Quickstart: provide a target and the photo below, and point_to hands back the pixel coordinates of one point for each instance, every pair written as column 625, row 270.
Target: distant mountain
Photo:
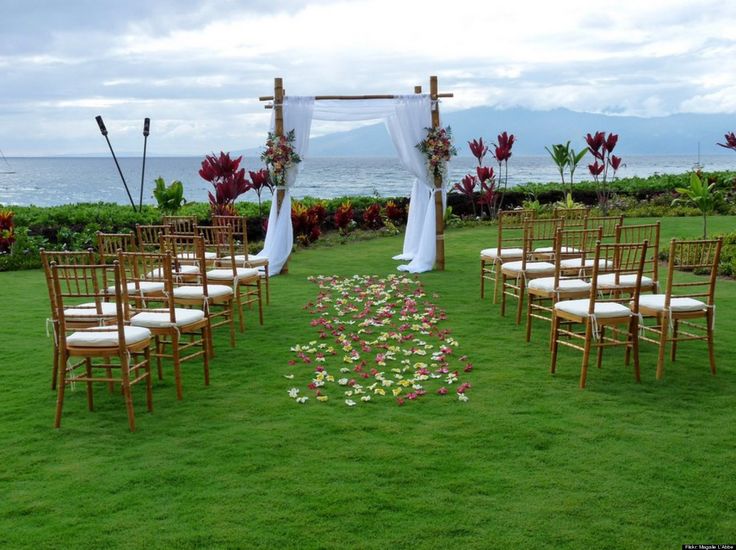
column 670, row 135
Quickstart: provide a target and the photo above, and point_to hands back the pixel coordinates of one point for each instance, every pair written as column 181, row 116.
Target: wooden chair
column 544, row 292
column 108, row 245
column 239, row 226
column 195, row 290
column 684, row 301
column 148, row 236
column 86, row 283
column 608, row 225
column 515, row 274
column 610, row 282
column 168, row 324
column 596, row 314
column 84, row 315
column 245, row 282
column 509, row 247
column 574, row 217
column 180, row 225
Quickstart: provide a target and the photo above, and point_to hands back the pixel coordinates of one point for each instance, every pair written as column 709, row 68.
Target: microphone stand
column 146, row 131
column 103, row 130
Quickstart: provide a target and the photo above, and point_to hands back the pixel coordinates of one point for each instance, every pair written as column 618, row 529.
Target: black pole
column 103, row 130
column 146, row 131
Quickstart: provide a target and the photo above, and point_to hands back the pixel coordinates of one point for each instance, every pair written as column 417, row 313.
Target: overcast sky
column 197, row 68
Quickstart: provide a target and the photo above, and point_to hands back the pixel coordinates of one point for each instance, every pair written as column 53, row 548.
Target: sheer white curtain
column 280, row 234
column 406, row 118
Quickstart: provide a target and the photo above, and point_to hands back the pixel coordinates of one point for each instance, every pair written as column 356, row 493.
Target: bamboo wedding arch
column 277, row 103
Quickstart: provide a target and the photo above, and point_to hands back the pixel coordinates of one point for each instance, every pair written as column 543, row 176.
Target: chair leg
column 520, row 305
column 497, row 271
column 239, row 300
column 60, row 389
column 260, row 302
column 599, row 354
column 231, row 305
column 268, row 286
column 530, row 299
column 586, row 352
column 55, row 371
column 633, row 338
column 482, row 279
column 664, row 326
column 88, row 372
column 709, row 335
column 555, row 345
column 675, row 329
column 126, row 392
column 160, row 348
column 177, row 364
column 205, row 355
column 149, row 381
column 503, row 294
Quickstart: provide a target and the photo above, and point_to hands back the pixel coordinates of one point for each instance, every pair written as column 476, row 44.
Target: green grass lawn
column 529, row 460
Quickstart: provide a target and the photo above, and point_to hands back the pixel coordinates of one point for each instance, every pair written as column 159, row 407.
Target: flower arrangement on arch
column 438, row 147
column 279, row 155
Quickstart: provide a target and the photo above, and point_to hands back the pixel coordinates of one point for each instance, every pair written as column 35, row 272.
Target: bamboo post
column 439, row 212
column 278, row 105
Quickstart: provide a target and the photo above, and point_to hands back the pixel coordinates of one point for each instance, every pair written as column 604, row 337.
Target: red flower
column 484, row 173
column 478, row 149
column 615, row 162
column 611, row 141
column 467, row 186
column 730, row 141
column 442, row 391
column 595, row 142
column 503, row 147
column 596, row 169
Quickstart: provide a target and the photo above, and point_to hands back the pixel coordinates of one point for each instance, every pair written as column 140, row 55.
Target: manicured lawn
column 530, row 460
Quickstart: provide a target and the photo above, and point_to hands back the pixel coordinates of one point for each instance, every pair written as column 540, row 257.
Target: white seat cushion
column 193, row 256
column 159, row 319
column 251, row 258
column 602, row 309
column 83, row 312
column 563, row 250
column 565, row 285
column 107, row 338
column 627, row 280
column 197, row 292
column 227, row 274
column 492, row 253
column 145, row 287
column 531, row 267
column 577, row 263
column 183, row 270
column 656, row 302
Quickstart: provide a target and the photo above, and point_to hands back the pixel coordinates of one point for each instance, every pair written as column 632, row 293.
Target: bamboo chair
column 545, row 292
column 84, row 315
column 197, row 291
column 509, row 247
column 596, row 314
column 148, row 236
column 607, row 224
column 245, row 282
column 75, row 283
column 574, row 217
column 180, row 225
column 684, row 301
column 239, row 226
column 610, row 282
column 169, row 325
column 515, row 274
column 108, row 245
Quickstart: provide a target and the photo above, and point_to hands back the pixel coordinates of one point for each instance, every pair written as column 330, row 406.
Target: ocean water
column 63, row 180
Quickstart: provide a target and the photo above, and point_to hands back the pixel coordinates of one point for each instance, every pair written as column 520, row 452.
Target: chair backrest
column 574, row 217
column 143, row 267
column 539, row 233
column 181, row 225
column 574, row 243
column 148, row 236
column 618, row 259
column 187, row 250
column 639, row 233
column 84, row 283
column 239, row 226
column 108, row 245
column 511, row 228
column 608, row 225
column 62, row 257
column 700, row 257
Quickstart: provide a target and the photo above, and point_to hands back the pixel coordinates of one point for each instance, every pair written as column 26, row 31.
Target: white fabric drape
column 280, row 233
column 406, row 118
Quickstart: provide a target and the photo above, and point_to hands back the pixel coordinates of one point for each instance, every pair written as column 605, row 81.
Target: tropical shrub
column 344, row 217
column 169, row 198
column 395, row 212
column 372, row 217
column 601, row 147
column 7, row 231
column 227, row 179
column 307, row 222
column 700, row 194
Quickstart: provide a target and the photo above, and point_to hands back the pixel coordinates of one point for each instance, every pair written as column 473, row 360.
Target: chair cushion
column 577, row 263
column 193, row 256
column 565, row 285
column 563, row 250
column 531, row 267
column 656, row 302
column 183, row 270
column 197, row 291
column 602, row 309
column 227, row 274
column 84, row 312
column 145, row 287
column 627, row 280
column 160, row 319
column 251, row 258
column 492, row 253
column 107, row 338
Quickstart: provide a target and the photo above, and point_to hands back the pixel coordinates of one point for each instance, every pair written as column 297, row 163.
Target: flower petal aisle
column 377, row 339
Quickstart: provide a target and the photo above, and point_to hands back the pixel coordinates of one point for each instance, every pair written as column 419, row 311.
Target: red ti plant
column 343, row 217
column 7, row 231
column 372, row 216
column 488, row 190
column 228, row 180
column 730, row 141
column 502, row 154
column 395, row 212
column 467, row 187
column 258, row 182
column 601, row 147
column 307, row 222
